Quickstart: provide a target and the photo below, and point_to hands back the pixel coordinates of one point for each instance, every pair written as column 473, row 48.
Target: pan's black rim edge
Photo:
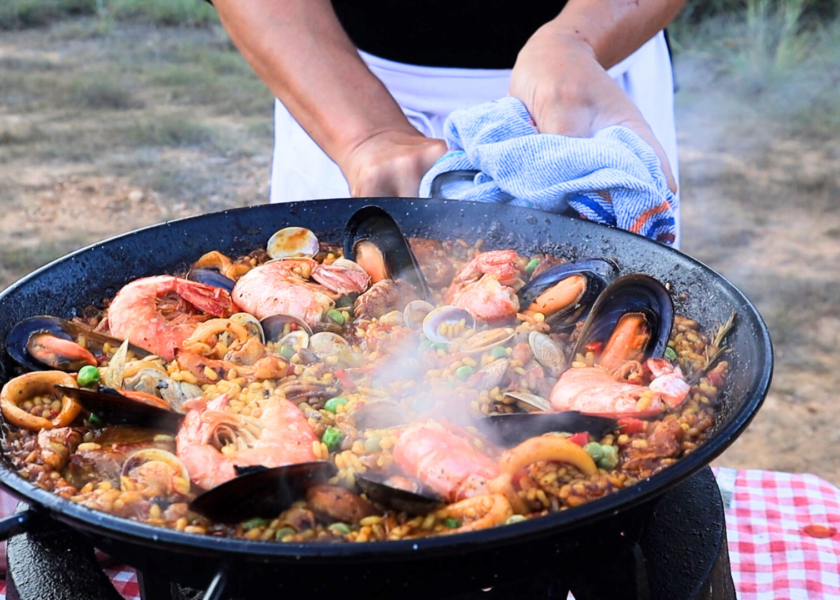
column 98, row 523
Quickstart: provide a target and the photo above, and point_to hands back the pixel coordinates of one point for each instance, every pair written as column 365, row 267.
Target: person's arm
column 560, row 74
column 299, row 49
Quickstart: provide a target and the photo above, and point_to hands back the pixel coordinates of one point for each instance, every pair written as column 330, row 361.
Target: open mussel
column 374, row 241
column 630, row 320
column 115, row 408
column 514, row 428
column 564, row 292
column 45, row 342
column 398, row 493
column 261, row 492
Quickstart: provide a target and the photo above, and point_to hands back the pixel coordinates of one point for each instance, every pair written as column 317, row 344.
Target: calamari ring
column 546, row 448
column 493, row 508
column 204, row 331
column 33, row 384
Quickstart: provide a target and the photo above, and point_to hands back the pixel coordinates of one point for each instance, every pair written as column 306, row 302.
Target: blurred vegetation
column 780, row 57
column 23, row 14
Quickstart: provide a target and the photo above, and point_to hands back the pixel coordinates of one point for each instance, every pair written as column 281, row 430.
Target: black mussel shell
column 260, row 492
column 375, row 225
column 511, row 429
column 115, row 409
column 634, row 293
column 17, row 341
column 211, row 277
column 598, row 272
column 413, row 503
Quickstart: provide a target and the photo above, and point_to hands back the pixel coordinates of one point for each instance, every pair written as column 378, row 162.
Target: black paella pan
column 409, row 567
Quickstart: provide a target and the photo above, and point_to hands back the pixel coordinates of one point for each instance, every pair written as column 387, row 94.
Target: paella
column 374, row 389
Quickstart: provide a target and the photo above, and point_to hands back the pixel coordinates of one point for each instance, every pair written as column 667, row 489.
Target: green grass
column 25, row 14
column 172, row 131
column 772, row 58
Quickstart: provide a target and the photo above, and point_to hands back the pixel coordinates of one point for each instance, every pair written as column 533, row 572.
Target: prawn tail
column 213, row 300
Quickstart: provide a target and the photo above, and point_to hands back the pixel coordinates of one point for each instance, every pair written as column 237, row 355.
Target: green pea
column 440, row 346
column 609, row 460
column 452, row 523
column 88, row 375
column 425, row 345
column 283, row 532
column 372, row 443
column 498, row 352
column 287, row 352
column 332, row 438
column 595, row 450
column 515, row 519
column 336, row 315
column 532, row 265
column 95, row 420
column 255, row 522
column 341, row 528
column 670, row 353
column 333, row 403
column 463, row 373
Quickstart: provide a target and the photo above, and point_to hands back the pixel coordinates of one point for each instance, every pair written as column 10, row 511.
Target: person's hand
column 390, row 163
column 568, row 92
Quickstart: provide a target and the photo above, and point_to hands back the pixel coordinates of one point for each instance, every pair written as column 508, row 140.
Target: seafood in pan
column 380, row 389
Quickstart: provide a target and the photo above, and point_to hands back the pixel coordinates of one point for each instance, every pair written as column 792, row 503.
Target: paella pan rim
column 580, row 234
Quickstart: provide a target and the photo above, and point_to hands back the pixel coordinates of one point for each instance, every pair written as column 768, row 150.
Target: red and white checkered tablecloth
column 783, row 530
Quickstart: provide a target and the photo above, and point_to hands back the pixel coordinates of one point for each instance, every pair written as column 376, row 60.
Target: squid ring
column 27, row 386
column 546, row 448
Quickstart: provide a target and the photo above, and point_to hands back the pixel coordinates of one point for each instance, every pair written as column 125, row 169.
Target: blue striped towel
column 613, row 177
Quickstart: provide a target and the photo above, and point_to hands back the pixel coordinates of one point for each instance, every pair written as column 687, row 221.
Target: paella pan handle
column 218, row 586
column 16, row 524
column 444, row 179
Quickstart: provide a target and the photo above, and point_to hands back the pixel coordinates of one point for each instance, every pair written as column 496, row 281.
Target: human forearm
column 614, row 29
column 300, row 51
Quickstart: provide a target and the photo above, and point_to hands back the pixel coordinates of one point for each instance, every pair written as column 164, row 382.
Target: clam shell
column 276, row 326
column 487, row 339
column 326, row 345
column 530, row 402
column 381, row 414
column 251, row 324
column 548, row 353
column 154, row 465
column 445, row 315
column 293, row 242
column 415, row 311
column 491, row 375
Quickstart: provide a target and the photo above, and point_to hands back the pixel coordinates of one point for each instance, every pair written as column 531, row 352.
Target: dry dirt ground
column 105, row 128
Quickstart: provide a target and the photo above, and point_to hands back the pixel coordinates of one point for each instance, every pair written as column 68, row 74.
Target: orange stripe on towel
column 645, row 216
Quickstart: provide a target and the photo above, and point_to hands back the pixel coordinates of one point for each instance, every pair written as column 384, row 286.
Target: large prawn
column 486, row 286
column 444, row 462
column 595, row 390
column 155, row 312
column 284, row 286
column 211, row 442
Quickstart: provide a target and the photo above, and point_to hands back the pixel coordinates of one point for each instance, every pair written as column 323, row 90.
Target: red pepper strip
column 581, row 438
column 629, row 425
column 346, row 382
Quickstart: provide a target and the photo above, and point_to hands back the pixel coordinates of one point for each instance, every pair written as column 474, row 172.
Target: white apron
column 302, row 171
